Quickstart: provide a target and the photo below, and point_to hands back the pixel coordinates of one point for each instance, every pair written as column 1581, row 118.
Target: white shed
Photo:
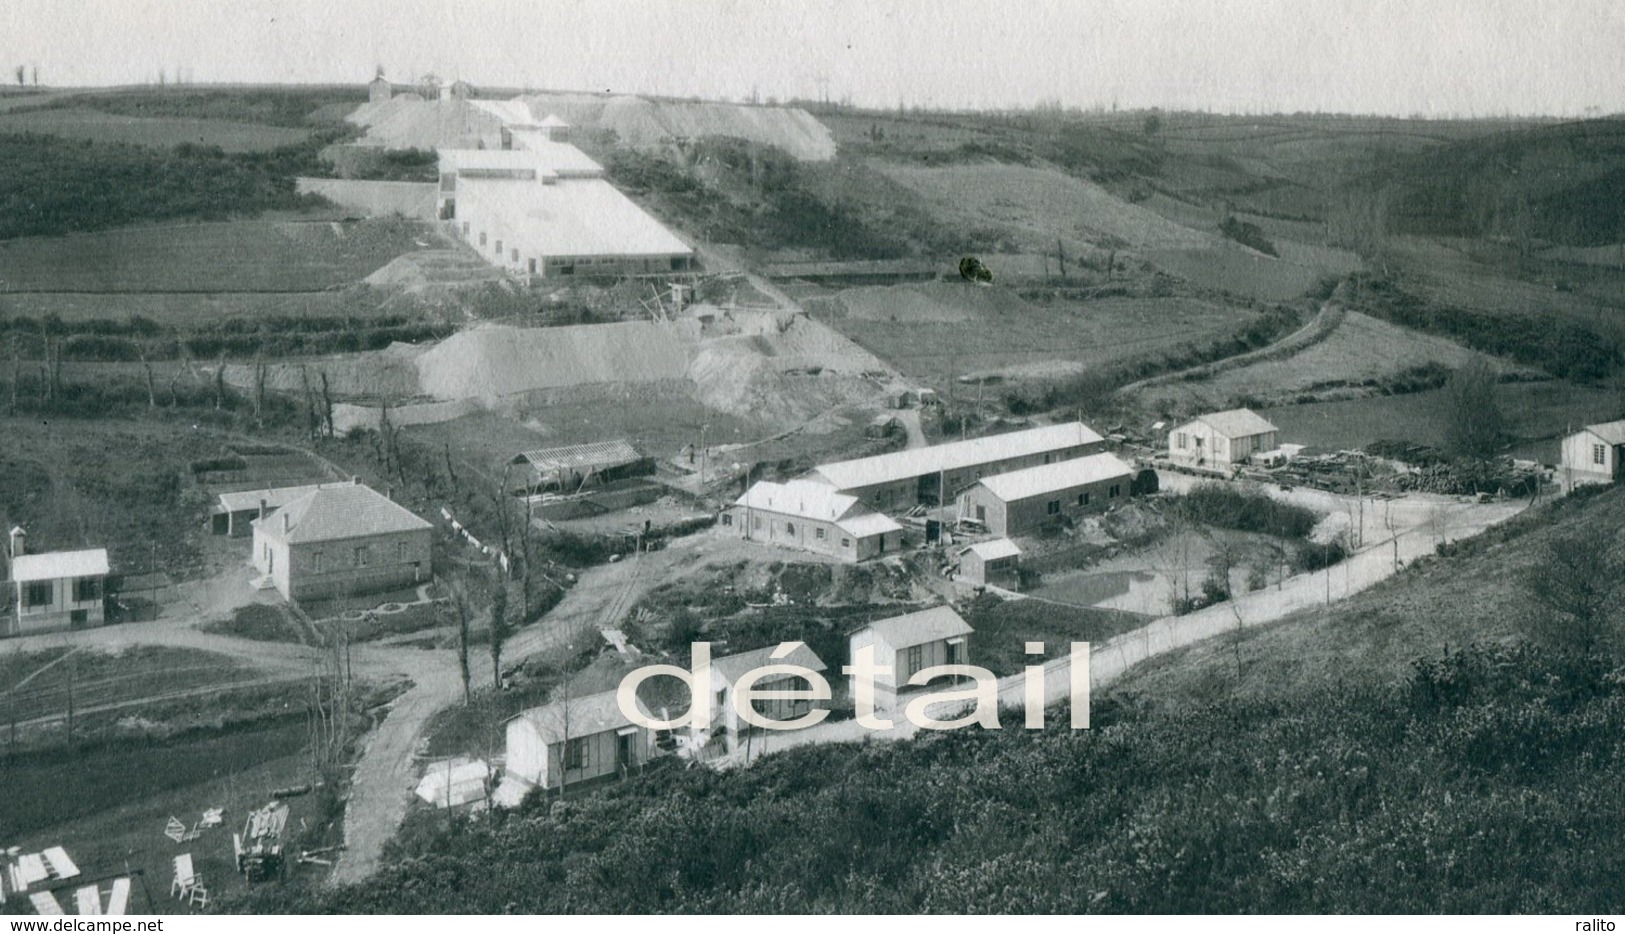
column 1221, row 439
column 910, row 643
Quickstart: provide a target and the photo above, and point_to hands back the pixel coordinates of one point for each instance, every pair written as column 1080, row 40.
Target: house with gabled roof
column 54, row 590
column 343, row 540
column 912, row 643
column 1221, row 440
column 1594, row 454
column 900, row 480
column 727, row 672
column 1023, row 500
column 810, row 516
column 575, row 739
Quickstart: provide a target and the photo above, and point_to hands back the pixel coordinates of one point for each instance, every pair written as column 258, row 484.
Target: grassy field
column 1375, row 636
column 934, row 332
column 236, row 256
column 1536, row 413
column 95, row 678
column 61, row 486
column 94, row 126
column 108, row 806
column 1360, row 356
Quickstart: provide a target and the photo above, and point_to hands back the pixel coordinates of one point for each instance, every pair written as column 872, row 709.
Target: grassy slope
column 1435, row 606
column 239, row 256
column 1314, row 786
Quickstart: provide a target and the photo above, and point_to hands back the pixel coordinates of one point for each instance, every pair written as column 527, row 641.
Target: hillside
column 1484, row 780
column 1559, row 182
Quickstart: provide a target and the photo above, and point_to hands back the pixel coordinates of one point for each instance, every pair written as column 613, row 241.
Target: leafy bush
column 53, row 185
column 1493, row 780
column 1226, row 506
column 1247, row 233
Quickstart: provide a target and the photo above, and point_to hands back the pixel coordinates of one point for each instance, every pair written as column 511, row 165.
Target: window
column 789, row 528
column 981, row 513
column 515, row 253
column 756, row 522
column 38, row 593
column 819, row 534
column 727, row 518
column 1053, row 506
column 361, row 556
column 403, row 552
column 1599, row 454
column 1083, row 499
column 847, row 542
column 1182, row 441
column 316, row 561
column 499, row 248
column 533, row 266
column 1048, row 458
column 86, row 589
column 465, row 228
column 916, row 661
column 482, row 238
column 575, row 754
column 1116, row 489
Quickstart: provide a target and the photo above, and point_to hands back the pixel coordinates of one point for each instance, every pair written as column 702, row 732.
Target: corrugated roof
column 56, row 565
column 596, row 454
column 1061, row 475
column 1236, row 423
column 802, row 498
column 274, row 497
column 579, row 716
column 957, row 455
column 867, row 524
column 341, row 512
column 733, row 667
column 939, row 622
column 995, row 549
column 1610, row 432
column 584, row 217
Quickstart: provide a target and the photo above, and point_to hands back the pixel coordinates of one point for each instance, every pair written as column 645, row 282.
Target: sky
column 1404, row 57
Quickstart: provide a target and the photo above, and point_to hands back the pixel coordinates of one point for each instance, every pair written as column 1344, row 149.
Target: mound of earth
column 418, row 271
column 641, row 123
column 494, row 361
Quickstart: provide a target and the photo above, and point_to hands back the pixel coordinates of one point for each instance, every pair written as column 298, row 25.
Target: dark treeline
column 287, row 107
column 1561, row 346
column 137, row 337
column 55, row 186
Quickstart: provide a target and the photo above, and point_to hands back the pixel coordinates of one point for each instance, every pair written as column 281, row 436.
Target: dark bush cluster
column 1491, row 781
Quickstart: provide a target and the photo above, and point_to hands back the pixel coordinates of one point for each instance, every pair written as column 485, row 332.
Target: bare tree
column 146, row 365
column 499, row 626
column 462, row 608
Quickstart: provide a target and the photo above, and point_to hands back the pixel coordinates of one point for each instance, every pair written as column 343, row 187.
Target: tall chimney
column 19, row 541
column 284, row 520
column 262, row 510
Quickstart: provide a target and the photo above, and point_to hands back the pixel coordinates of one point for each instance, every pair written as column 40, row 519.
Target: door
column 624, row 761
